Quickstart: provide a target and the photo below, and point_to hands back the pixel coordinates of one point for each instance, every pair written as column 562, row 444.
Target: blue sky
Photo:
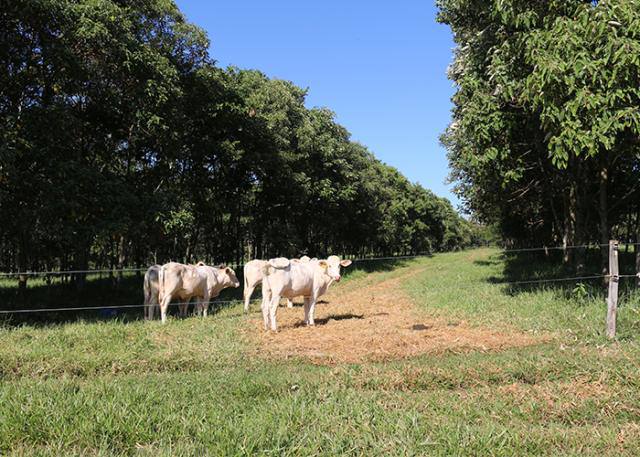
column 379, row 65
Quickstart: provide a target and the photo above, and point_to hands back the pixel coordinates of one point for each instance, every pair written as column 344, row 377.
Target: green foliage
column 121, row 142
column 546, row 117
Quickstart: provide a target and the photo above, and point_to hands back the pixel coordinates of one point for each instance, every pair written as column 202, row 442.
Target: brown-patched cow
column 184, row 282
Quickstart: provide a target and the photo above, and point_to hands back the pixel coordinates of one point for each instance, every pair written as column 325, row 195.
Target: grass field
column 426, row 357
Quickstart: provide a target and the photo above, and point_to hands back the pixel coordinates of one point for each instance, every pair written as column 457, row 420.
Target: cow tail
column 147, row 289
column 161, row 284
column 266, row 271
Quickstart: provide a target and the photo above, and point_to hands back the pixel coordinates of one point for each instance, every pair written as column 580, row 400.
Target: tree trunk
column 568, row 238
column 21, row 260
column 603, row 211
column 81, row 264
column 578, row 217
column 636, row 247
column 627, row 239
column 121, row 259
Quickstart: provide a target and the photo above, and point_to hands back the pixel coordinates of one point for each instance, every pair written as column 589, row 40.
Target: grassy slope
column 198, row 386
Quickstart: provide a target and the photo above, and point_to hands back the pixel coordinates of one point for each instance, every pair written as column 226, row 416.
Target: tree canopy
column 546, row 121
column 123, row 143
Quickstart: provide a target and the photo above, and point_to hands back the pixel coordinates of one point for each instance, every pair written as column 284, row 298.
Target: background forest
column 122, row 143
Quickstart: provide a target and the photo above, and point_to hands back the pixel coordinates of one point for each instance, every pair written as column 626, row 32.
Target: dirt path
column 374, row 319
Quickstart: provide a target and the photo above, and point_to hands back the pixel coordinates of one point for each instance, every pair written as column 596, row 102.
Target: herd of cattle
column 280, row 278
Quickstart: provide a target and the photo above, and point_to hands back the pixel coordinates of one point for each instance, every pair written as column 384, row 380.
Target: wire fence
column 134, row 270
column 361, row 260
column 109, row 307
column 562, row 248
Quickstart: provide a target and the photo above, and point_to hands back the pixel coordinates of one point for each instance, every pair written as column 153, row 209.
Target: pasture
column 431, row 356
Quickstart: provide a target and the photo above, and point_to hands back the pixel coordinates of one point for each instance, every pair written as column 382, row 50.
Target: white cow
column 289, row 279
column 151, row 291
column 187, row 281
column 253, row 275
column 150, row 287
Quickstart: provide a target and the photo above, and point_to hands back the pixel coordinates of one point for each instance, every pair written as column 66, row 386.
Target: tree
column 543, row 123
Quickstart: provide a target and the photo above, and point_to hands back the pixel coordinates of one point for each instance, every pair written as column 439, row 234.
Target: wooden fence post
column 612, row 298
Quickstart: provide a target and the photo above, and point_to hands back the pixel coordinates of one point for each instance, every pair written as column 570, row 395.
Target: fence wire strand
column 132, row 270
column 110, row 307
column 222, row 302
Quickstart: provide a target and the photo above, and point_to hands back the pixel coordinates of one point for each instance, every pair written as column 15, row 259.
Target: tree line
column 545, row 138
column 124, row 144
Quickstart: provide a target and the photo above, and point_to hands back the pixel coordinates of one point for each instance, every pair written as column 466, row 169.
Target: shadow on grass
column 97, row 292
column 486, row 263
column 374, row 266
column 545, row 270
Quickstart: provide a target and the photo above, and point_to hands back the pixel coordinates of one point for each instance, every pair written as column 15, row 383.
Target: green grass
column 200, row 387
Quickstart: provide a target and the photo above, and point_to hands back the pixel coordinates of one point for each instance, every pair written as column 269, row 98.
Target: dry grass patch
column 376, row 321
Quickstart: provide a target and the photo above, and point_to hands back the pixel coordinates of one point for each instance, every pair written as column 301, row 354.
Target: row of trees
column 122, row 143
column 545, row 138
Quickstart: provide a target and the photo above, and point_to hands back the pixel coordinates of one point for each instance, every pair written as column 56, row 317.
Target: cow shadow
column 332, row 317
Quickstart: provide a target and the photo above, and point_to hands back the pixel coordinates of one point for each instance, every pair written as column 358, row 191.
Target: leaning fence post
column 612, row 297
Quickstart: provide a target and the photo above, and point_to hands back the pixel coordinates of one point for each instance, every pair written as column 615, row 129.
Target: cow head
column 280, row 263
column 227, row 276
column 332, row 266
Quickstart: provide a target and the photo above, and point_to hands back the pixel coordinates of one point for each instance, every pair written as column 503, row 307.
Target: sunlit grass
column 201, row 387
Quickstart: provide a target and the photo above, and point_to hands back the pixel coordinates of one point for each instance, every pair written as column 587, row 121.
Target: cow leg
column 312, row 310
column 247, row 297
column 150, row 308
column 275, row 301
column 184, row 307
column 164, row 306
column 205, row 304
column 307, row 304
column 266, row 300
column 289, row 303
column 265, row 313
column 155, row 306
column 147, row 305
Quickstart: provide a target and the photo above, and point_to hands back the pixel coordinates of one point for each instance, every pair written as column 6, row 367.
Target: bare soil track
column 374, row 319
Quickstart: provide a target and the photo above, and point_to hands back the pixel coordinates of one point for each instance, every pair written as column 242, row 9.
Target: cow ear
column 227, row 270
column 323, row 264
column 222, row 266
column 345, row 263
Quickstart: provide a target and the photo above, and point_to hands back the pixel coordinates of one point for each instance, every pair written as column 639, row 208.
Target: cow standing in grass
column 254, row 274
column 150, row 287
column 187, row 281
column 290, row 279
